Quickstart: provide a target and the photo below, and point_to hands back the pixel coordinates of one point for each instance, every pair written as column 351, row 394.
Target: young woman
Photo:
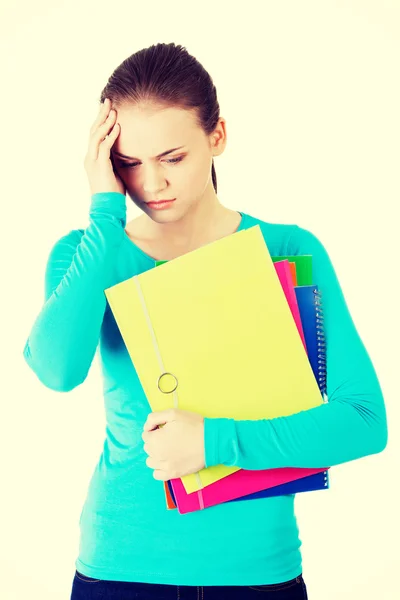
column 154, row 139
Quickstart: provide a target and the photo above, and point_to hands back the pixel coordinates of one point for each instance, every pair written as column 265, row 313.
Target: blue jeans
column 88, row 588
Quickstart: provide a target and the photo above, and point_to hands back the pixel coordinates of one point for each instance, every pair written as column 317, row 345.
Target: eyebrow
column 158, row 155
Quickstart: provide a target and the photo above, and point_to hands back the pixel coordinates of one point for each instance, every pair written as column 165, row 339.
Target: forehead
column 148, row 130
column 138, row 123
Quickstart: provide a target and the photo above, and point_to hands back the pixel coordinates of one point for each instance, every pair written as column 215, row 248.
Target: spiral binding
column 321, row 343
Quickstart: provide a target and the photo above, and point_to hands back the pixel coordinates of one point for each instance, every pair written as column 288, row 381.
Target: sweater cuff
column 219, row 441
column 110, row 204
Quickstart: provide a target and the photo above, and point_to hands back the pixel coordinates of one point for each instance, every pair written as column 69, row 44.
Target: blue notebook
column 312, row 319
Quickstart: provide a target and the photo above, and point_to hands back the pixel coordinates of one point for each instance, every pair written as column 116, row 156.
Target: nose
column 153, row 181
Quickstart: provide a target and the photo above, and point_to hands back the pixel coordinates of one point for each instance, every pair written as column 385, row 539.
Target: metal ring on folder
column 167, row 390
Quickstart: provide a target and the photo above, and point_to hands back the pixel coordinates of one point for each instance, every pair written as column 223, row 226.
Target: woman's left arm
column 351, row 425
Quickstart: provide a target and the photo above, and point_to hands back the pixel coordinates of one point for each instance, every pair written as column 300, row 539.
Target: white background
column 310, row 91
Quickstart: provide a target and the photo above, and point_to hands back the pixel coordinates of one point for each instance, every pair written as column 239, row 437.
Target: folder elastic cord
column 166, row 376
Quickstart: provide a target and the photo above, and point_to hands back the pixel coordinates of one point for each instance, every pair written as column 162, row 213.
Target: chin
column 165, row 214
column 161, row 216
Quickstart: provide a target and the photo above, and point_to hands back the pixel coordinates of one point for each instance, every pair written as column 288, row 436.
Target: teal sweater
column 126, row 531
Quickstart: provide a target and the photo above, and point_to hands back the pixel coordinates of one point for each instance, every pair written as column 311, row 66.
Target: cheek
column 131, row 179
column 197, row 173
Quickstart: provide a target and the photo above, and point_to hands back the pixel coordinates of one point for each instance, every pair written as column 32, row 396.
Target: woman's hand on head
column 98, row 164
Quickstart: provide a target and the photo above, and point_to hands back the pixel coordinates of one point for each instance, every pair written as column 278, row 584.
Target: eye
column 173, row 161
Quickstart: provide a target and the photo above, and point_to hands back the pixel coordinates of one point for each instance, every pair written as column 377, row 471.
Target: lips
column 160, row 201
column 161, row 205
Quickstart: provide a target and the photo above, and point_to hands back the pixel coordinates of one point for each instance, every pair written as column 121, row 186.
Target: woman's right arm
column 63, row 340
column 64, row 337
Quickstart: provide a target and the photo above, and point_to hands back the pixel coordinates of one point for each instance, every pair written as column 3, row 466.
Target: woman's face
column 184, row 173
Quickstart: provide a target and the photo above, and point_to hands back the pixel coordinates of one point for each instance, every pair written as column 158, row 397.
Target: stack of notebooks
column 228, row 330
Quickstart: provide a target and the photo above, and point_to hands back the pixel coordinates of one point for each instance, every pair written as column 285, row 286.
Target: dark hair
column 166, row 74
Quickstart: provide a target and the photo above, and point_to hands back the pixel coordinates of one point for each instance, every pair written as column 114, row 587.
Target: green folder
column 303, row 267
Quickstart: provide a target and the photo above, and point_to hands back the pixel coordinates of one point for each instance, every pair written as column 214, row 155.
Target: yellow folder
column 212, row 332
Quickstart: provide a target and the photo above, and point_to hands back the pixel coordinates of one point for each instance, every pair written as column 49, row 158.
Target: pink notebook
column 284, row 273
column 240, row 483
column 244, row 482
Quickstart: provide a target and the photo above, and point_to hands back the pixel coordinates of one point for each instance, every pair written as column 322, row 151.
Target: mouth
column 160, row 203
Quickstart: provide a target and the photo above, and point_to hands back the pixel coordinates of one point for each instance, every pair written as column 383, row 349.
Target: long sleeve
column 353, row 422
column 64, row 337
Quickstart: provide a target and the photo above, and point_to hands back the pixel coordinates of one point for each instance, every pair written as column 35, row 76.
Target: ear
column 218, row 138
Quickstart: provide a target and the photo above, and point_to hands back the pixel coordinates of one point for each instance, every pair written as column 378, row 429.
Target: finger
column 161, row 475
column 151, row 451
column 104, row 109
column 146, row 427
column 99, row 136
column 108, row 142
column 151, row 426
column 146, row 435
column 153, row 463
column 160, row 417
